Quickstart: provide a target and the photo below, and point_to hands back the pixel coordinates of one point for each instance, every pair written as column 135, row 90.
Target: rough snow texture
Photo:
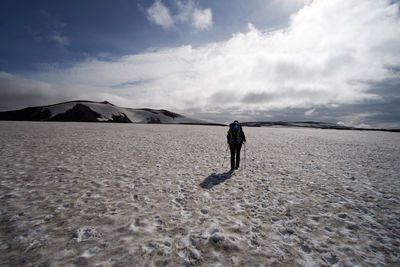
column 143, row 195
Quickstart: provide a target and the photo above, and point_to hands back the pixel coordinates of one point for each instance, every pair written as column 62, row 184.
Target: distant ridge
column 90, row 111
column 312, row 124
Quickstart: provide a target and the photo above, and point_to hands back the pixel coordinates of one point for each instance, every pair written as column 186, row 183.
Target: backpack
column 234, row 133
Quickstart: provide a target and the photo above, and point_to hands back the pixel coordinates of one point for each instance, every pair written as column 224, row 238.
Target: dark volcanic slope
column 26, row 114
column 79, row 112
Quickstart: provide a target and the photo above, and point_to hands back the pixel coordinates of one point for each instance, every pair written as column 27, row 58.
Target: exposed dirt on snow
column 144, row 195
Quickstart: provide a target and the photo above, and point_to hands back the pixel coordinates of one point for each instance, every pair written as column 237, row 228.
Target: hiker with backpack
column 235, row 138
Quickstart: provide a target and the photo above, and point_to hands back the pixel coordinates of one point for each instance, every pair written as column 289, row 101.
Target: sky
column 334, row 61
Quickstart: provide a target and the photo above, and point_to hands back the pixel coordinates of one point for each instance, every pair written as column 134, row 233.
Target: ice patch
column 86, row 233
column 90, row 252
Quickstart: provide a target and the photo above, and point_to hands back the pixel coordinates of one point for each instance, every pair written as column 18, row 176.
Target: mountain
column 311, row 124
column 89, row 111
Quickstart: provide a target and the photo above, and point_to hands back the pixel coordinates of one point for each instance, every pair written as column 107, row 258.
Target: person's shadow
column 215, row 179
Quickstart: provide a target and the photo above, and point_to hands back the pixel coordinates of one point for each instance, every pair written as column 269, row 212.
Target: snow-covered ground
column 143, row 195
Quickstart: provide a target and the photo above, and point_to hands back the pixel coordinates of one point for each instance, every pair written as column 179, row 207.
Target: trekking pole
column 245, row 159
column 226, row 151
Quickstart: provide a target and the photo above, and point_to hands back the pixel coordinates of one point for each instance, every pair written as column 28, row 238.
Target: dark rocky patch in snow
column 78, row 113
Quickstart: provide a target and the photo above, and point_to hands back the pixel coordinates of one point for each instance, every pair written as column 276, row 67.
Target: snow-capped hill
column 89, row 111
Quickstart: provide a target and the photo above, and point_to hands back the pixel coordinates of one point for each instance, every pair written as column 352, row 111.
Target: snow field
column 144, row 195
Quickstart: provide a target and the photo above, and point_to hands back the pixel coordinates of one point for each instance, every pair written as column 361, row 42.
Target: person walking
column 235, row 138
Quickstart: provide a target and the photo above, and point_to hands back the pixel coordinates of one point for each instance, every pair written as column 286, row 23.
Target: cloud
column 48, row 28
column 202, row 19
column 333, row 55
column 61, row 40
column 16, row 90
column 160, row 14
column 185, row 10
column 288, row 6
column 309, row 112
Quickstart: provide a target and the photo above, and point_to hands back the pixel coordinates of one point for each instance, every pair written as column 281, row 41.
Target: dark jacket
column 241, row 133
